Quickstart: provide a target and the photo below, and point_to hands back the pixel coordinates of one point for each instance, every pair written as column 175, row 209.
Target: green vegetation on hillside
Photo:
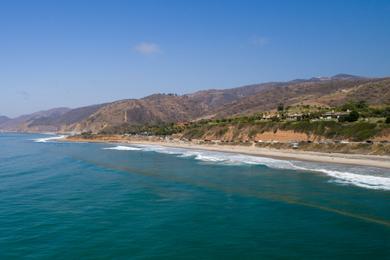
column 355, row 121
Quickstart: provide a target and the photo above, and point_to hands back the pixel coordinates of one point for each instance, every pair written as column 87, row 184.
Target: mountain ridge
column 218, row 103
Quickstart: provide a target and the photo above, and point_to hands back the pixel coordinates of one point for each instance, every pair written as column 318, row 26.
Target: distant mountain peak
column 4, row 119
column 340, row 76
column 345, row 76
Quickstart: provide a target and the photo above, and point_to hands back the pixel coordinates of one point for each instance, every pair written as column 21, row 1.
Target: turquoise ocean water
column 100, row 201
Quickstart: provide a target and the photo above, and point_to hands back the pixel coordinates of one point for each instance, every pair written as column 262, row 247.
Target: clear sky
column 74, row 53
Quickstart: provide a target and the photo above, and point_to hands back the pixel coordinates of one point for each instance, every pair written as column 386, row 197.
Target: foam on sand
column 364, row 177
column 48, row 139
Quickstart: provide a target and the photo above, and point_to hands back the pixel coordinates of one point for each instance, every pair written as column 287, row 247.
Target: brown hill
column 333, row 91
column 159, row 108
column 4, row 119
column 22, row 123
column 152, row 109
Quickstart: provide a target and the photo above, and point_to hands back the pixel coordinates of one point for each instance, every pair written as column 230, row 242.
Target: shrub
column 352, row 117
column 281, row 107
column 86, row 135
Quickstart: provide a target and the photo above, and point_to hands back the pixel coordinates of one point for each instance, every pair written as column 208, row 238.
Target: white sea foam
column 364, row 177
column 364, row 181
column 48, row 139
column 123, row 148
column 235, row 159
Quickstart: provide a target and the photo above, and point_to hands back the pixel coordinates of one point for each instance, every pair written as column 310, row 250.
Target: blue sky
column 75, row 53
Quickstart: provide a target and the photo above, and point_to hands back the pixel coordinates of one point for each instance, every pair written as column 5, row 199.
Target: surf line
column 223, row 158
column 283, row 199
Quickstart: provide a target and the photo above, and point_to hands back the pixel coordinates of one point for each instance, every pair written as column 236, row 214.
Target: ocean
column 102, row 201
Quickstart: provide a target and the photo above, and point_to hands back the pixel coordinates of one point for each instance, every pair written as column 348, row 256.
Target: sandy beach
column 287, row 154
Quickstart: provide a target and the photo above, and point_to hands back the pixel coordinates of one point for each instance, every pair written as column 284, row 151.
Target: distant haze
column 76, row 53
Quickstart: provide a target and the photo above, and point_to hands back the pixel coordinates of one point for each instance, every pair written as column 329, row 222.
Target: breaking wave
column 123, row 148
column 361, row 180
column 48, row 139
column 365, row 177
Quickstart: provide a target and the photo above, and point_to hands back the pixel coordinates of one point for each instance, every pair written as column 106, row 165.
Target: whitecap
column 365, row 177
column 48, row 139
column 360, row 180
column 122, row 148
column 222, row 158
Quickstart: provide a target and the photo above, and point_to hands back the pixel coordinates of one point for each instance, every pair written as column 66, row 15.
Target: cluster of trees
column 87, row 135
column 362, row 109
column 358, row 109
column 355, row 105
column 365, row 110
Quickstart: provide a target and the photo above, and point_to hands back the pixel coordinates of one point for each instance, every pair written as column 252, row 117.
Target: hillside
column 3, row 119
column 214, row 103
column 153, row 109
column 67, row 121
column 22, row 123
column 329, row 92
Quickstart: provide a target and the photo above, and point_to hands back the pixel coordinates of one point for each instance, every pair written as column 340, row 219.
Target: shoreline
column 283, row 154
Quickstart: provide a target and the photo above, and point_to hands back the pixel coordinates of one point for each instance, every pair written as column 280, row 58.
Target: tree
column 353, row 116
column 281, row 107
column 348, row 106
column 388, row 120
